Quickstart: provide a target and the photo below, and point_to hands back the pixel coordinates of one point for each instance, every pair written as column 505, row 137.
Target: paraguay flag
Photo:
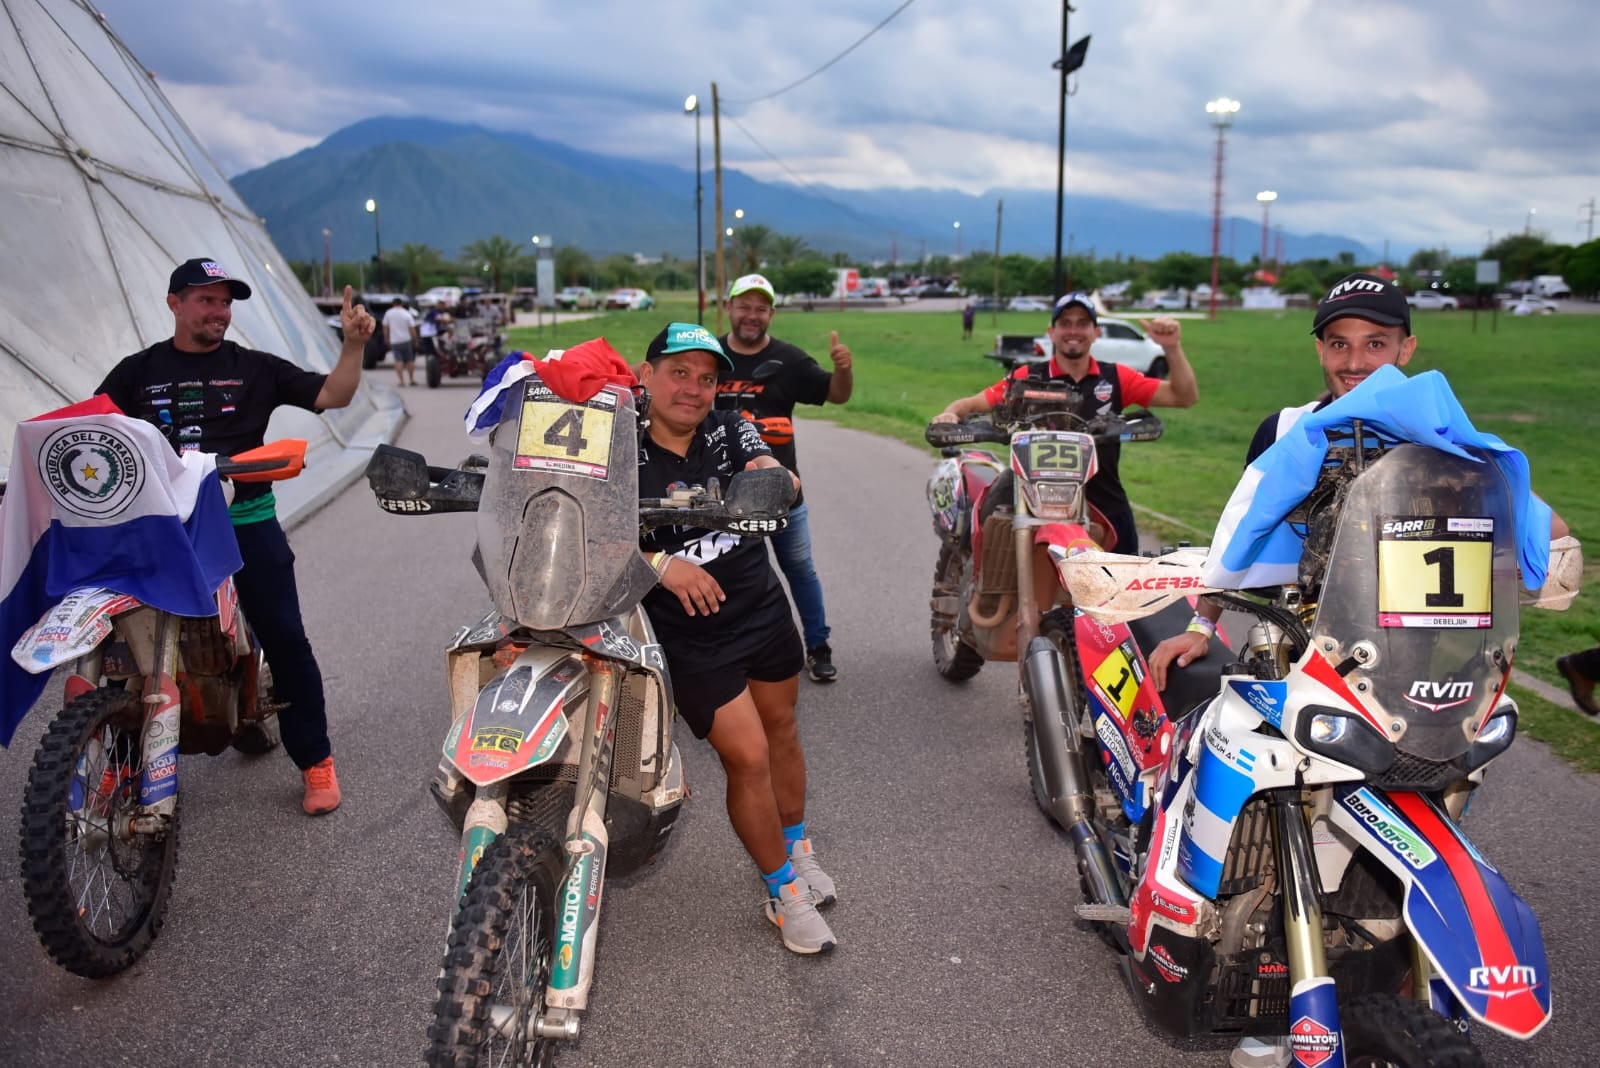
column 98, row 498
column 574, row 374
column 1253, row 545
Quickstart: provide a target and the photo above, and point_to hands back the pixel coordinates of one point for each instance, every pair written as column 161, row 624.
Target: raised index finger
column 347, row 294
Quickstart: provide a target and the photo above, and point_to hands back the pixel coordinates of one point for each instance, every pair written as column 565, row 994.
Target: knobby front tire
column 97, row 894
column 499, row 957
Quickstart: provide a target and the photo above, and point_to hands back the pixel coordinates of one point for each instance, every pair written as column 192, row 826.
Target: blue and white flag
column 98, row 498
column 1253, row 546
column 484, row 413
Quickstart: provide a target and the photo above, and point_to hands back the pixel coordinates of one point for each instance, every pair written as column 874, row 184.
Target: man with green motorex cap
column 725, row 626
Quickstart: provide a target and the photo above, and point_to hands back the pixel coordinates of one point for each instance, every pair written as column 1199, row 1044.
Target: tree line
column 500, row 264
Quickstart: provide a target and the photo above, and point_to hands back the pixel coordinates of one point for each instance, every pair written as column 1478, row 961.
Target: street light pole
column 692, row 104
column 1266, row 197
column 1527, row 222
column 1221, row 111
column 327, row 262
column 1071, row 59
column 377, row 239
column 958, row 241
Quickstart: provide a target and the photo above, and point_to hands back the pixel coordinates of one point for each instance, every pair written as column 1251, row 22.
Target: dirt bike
column 983, row 588
column 467, row 351
column 1286, row 857
column 559, row 765
column 99, row 828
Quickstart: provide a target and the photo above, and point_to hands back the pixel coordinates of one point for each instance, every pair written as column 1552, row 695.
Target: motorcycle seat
column 1188, row 687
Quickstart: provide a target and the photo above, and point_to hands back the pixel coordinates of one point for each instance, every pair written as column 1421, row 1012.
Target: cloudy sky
column 1422, row 124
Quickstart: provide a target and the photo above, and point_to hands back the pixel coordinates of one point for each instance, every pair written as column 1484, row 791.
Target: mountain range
column 446, row 185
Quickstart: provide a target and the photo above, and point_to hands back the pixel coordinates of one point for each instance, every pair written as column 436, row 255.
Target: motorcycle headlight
column 1341, row 735
column 1053, row 500
column 1495, row 738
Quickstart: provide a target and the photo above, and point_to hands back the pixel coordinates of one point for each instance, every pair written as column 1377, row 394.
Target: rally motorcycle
column 1286, row 858
column 559, row 766
column 99, row 829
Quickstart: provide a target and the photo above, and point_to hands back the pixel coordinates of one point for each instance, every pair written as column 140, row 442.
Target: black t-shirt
column 1267, row 433
column 769, row 404
column 755, row 601
column 217, row 401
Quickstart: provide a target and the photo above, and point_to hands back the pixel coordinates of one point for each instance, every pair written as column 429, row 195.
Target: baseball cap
column 205, row 271
column 752, row 283
column 1363, row 296
column 1081, row 299
column 685, row 337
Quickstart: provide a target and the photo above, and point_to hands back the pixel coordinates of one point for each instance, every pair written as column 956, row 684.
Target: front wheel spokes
column 520, row 993
column 101, row 858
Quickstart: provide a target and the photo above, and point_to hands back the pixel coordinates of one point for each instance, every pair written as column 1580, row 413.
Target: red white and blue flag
column 98, row 498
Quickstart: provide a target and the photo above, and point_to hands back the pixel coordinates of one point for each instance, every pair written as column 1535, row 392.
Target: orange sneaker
column 322, row 788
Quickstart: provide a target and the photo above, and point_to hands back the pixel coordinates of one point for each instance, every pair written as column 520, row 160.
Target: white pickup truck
column 1551, row 285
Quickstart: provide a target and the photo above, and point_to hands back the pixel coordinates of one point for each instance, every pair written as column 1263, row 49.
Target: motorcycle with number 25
column 559, row 766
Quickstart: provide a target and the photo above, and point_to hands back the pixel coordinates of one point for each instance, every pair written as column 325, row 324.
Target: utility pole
column 1590, row 205
column 1072, row 58
column 999, row 210
column 716, row 151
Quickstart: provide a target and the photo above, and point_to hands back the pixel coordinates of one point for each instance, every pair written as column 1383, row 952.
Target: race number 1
column 1436, row 571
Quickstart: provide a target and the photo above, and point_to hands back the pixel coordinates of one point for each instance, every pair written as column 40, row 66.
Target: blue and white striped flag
column 1253, row 546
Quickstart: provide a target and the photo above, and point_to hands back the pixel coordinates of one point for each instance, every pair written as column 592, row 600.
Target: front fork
column 578, row 896
column 1313, row 1000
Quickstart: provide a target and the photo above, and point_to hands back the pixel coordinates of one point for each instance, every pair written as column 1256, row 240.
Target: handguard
column 1115, row 588
column 1561, row 580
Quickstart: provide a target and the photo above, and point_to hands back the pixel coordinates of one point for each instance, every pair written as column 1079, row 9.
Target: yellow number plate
column 1436, row 576
column 567, row 438
column 1117, row 682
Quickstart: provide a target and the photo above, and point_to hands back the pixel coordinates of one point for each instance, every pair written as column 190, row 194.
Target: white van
column 448, row 296
column 1551, row 285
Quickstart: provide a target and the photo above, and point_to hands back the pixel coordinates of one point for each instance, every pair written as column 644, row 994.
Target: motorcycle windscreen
column 1419, row 604
column 558, row 519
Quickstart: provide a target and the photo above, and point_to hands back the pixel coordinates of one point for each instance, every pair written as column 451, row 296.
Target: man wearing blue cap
column 725, row 626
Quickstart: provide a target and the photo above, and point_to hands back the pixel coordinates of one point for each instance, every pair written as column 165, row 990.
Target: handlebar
column 1136, row 425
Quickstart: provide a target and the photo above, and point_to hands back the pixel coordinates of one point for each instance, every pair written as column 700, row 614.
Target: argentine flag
column 1254, row 547
column 98, row 498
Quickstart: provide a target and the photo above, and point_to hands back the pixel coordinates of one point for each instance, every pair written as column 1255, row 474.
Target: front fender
column 518, row 720
column 1482, row 938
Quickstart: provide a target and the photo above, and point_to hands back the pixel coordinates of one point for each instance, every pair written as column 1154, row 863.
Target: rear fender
column 519, row 718
column 1483, row 940
column 75, row 626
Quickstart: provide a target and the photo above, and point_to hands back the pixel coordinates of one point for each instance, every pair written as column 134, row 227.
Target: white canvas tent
column 103, row 190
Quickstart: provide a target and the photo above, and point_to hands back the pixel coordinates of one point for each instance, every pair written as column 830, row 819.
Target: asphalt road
column 293, row 941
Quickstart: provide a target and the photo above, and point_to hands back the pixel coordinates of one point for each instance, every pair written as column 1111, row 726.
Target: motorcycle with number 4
column 559, row 765
column 1284, row 856
column 99, row 828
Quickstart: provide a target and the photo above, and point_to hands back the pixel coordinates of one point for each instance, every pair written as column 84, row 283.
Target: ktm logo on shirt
column 755, row 389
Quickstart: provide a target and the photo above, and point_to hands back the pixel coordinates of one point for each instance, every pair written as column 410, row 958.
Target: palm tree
column 494, row 255
column 784, row 249
column 750, row 247
column 416, row 261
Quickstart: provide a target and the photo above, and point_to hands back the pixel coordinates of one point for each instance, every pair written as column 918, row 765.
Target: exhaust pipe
column 1044, row 673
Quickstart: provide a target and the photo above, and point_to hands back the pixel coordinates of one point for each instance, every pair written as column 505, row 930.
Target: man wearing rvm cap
column 213, row 395
column 1360, row 325
column 725, row 626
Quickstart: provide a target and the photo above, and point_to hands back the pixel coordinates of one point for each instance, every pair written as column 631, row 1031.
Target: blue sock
column 779, row 879
column 793, row 834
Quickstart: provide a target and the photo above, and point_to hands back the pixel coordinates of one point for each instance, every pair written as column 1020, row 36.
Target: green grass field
column 1535, row 382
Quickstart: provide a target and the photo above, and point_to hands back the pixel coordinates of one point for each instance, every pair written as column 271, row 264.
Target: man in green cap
column 725, row 626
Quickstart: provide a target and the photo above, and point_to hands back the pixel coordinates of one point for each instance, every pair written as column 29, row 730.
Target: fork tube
column 578, row 898
column 1302, row 912
column 158, row 778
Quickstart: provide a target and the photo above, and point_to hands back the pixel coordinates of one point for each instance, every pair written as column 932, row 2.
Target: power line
column 787, row 170
column 831, row 62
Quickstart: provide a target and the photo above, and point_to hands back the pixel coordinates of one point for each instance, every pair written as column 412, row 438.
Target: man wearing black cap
column 725, row 626
column 210, row 394
column 1101, row 388
column 1361, row 324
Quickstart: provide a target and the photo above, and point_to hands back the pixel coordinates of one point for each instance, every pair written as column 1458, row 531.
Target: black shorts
column 699, row 694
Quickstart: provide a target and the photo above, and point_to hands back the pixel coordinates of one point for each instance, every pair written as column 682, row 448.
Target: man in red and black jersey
column 1101, row 388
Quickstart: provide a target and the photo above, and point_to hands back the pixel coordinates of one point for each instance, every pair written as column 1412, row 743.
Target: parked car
column 1432, row 299
column 448, row 296
column 573, row 297
column 1120, row 342
column 630, row 299
column 524, row 298
column 1528, row 304
column 988, row 304
column 1168, row 301
column 1551, row 285
column 1028, row 304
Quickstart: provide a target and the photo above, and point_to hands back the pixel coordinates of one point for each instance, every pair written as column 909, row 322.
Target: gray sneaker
column 804, row 860
column 799, row 923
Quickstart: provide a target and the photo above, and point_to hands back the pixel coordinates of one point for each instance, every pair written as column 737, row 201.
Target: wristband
column 1201, row 625
column 657, row 561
